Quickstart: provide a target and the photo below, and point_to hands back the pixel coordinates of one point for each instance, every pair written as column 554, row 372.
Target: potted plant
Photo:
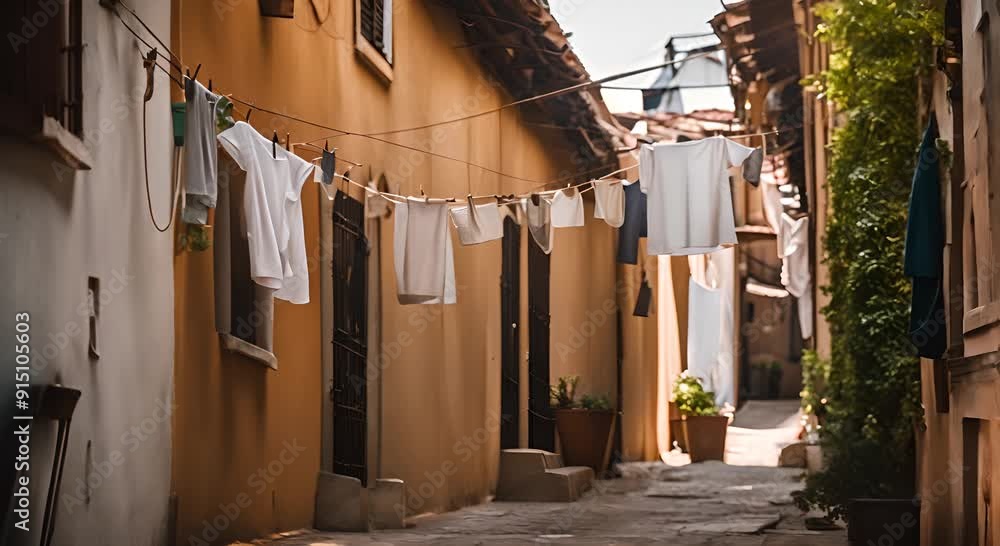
column 585, row 429
column 704, row 429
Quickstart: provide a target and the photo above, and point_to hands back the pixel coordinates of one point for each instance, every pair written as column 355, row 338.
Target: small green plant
column 564, row 392
column 692, row 398
column 591, row 402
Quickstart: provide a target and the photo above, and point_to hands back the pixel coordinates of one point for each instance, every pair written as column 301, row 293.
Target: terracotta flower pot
column 883, row 521
column 705, row 436
column 585, row 437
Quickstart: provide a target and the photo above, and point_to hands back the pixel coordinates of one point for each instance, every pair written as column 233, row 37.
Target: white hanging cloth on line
column 273, row 211
column 567, row 208
column 477, row 223
column 690, row 206
column 793, row 249
column 422, row 253
column 711, row 344
column 609, row 201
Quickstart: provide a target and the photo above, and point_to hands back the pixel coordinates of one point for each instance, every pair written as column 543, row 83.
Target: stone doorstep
column 342, row 504
column 388, row 504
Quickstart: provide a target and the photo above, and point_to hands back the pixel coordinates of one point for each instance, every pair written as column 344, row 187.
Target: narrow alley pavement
column 653, row 503
column 746, row 502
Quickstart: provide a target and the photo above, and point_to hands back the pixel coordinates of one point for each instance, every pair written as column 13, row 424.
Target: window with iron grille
column 43, row 60
column 375, row 25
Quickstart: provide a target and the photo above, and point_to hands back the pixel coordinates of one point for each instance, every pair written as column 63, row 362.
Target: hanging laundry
column 690, row 203
column 609, row 201
column 272, row 211
column 328, row 167
column 539, row 213
column 567, row 208
column 752, row 167
column 711, row 329
column 634, row 225
column 422, row 253
column 644, row 299
column 793, row 248
column 477, row 223
column 923, row 257
column 376, row 206
column 201, row 185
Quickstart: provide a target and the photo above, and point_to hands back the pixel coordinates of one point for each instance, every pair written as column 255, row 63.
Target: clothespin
column 288, row 142
column 196, row 70
column 149, row 63
column 210, row 84
column 274, row 145
column 424, row 195
column 249, row 111
column 326, row 146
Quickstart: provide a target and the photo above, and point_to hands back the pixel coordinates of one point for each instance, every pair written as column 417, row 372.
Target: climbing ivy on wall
column 881, row 50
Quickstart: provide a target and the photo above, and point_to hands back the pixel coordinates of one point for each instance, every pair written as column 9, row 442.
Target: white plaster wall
column 54, row 233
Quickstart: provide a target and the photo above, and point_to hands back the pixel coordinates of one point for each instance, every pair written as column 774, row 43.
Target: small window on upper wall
column 373, row 34
column 42, row 97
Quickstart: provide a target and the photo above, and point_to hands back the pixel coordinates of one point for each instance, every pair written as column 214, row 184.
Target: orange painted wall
column 233, row 415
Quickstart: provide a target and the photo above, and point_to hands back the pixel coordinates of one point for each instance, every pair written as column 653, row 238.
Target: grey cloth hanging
column 328, row 167
column 752, row 167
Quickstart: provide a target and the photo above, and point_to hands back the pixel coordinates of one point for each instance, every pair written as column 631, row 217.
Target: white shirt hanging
column 690, row 206
column 273, row 211
column 793, row 249
column 477, row 223
column 609, row 201
column 422, row 253
column 567, row 208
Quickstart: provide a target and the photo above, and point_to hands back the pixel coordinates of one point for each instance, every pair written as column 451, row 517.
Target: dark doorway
column 510, row 314
column 541, row 423
column 350, row 339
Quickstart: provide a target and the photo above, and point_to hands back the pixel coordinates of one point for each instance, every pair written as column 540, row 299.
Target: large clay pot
column 585, row 437
column 883, row 521
column 705, row 436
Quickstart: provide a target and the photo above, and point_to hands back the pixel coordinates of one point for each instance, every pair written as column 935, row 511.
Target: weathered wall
column 440, row 395
column 59, row 228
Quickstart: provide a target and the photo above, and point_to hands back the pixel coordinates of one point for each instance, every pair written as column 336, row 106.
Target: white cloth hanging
column 272, row 211
column 567, row 208
column 609, row 201
column 690, row 206
column 711, row 329
column 477, row 223
column 539, row 221
column 422, row 253
column 793, row 249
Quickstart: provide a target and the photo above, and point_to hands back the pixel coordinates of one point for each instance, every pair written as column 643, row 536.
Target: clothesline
column 376, row 136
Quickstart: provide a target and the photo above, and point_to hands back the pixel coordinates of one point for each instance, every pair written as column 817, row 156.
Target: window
column 244, row 311
column 43, row 55
column 373, row 35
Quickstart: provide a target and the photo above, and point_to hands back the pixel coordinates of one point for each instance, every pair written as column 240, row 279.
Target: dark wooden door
column 350, row 339
column 541, row 422
column 510, row 314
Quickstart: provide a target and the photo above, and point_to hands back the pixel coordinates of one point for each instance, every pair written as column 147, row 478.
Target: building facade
column 89, row 277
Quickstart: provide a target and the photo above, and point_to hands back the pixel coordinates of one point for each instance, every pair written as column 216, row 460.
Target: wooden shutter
column 373, row 23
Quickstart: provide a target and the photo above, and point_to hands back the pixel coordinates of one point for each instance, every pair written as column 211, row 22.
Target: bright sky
column 613, row 36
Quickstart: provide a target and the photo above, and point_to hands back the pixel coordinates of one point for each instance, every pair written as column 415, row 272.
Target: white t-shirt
column 477, row 223
column 567, row 208
column 609, row 201
column 273, row 210
column 689, row 206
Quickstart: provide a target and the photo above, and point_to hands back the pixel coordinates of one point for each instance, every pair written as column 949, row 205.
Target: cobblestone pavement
column 708, row 503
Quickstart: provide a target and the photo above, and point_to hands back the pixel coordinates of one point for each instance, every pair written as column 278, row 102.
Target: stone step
column 537, row 475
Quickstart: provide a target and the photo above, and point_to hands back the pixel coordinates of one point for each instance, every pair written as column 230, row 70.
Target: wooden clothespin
column 274, row 145
column 288, row 142
column 326, row 146
column 249, row 111
column 196, row 71
column 210, row 84
column 149, row 63
column 424, row 195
